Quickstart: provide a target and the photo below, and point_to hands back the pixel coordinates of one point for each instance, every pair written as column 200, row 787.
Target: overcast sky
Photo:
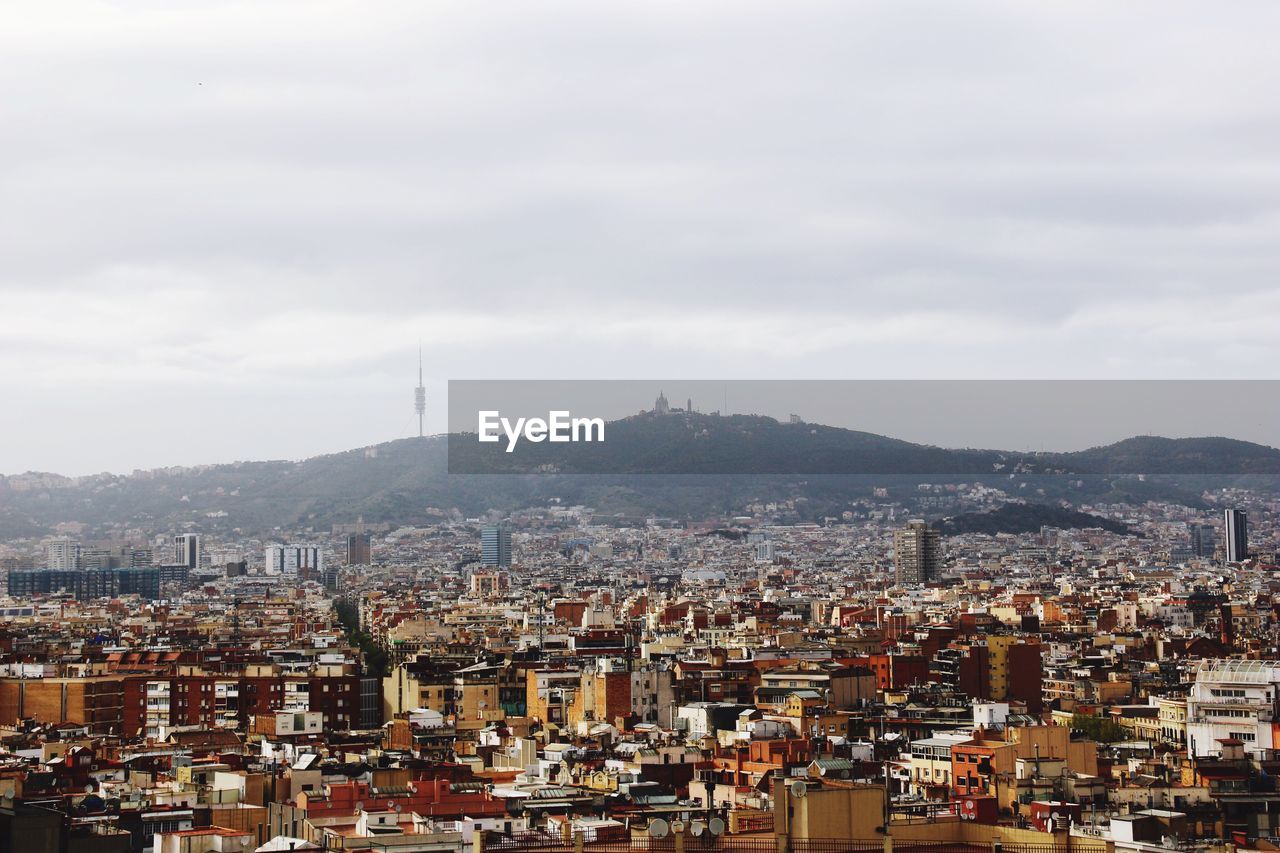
column 224, row 226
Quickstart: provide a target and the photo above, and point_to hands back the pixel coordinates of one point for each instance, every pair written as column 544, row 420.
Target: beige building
column 1173, row 719
column 930, row 766
column 550, row 694
column 1080, row 756
column 805, row 810
column 97, row 701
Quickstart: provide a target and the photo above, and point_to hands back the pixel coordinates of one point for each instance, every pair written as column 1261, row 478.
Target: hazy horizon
column 1007, row 409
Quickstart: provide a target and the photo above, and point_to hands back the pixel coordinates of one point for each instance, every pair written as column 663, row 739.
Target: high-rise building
column 1236, row 523
column 290, row 560
column 97, row 558
column 186, row 550
column 62, row 553
column 1203, row 539
column 917, row 553
column 359, row 552
column 495, row 545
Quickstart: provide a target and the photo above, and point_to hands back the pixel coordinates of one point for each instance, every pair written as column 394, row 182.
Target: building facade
column 917, row 553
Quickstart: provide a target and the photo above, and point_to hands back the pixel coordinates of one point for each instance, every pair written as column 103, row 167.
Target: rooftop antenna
column 420, row 394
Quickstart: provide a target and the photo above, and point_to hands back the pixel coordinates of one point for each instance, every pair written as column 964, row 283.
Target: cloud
column 270, row 201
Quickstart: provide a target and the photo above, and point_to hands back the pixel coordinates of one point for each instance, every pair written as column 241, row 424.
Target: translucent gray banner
column 953, row 428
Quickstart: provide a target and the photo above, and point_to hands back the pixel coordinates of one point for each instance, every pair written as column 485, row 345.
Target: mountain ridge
column 406, row 481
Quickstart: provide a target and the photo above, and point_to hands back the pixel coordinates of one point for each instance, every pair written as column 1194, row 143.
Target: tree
column 374, row 656
column 1100, row 729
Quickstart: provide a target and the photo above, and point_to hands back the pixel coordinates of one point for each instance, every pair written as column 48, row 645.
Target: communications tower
column 420, row 395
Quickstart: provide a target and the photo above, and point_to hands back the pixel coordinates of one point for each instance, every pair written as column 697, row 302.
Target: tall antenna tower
column 420, row 394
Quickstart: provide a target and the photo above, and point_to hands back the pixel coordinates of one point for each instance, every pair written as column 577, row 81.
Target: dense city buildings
column 952, row 555
column 855, row 679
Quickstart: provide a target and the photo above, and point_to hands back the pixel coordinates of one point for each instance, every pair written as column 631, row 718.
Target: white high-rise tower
column 420, row 394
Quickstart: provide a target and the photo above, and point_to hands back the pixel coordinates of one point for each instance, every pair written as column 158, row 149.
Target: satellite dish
column 88, row 789
column 697, row 828
column 399, row 808
column 677, row 826
column 716, row 825
column 799, row 789
column 359, row 805
column 658, row 828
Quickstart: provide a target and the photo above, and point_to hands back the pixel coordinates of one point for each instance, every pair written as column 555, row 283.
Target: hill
column 660, row 465
column 691, row 443
column 1152, row 454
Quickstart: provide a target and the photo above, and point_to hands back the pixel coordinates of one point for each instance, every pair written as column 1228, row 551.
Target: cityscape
column 566, row 426
column 551, row 676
